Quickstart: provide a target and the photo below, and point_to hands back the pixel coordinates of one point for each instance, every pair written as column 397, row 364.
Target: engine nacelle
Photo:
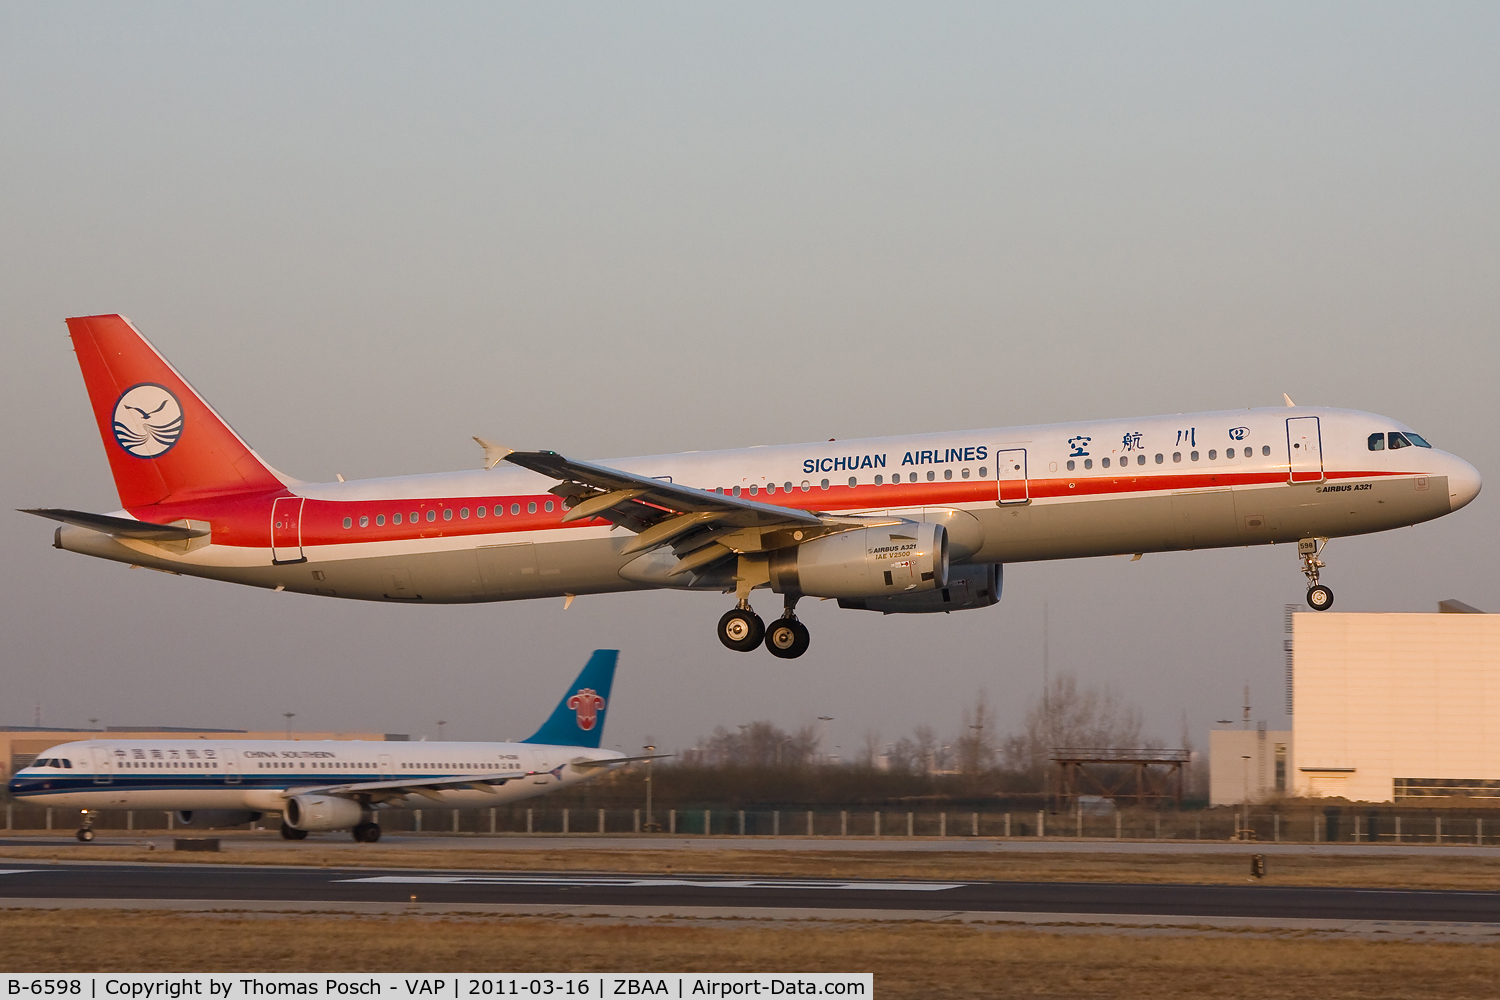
column 216, row 819
column 905, row 558
column 323, row 812
column 968, row 587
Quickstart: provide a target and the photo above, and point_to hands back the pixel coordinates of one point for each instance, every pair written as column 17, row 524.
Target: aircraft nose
column 1464, row 483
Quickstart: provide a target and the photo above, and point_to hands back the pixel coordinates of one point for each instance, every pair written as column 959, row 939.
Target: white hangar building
column 1384, row 707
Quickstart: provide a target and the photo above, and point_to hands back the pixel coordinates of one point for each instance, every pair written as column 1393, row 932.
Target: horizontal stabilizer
column 120, row 527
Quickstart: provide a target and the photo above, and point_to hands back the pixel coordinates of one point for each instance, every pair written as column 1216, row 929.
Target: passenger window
column 853, row 480
column 1212, row 454
column 432, row 515
column 1103, row 463
column 825, row 484
column 479, row 512
column 787, row 487
column 1228, row 453
column 879, row 480
column 1265, row 449
column 771, row 488
column 364, row 521
column 754, row 488
column 1398, row 440
column 515, row 508
column 1193, row 456
column 981, row 472
column 1377, row 441
column 548, row 507
column 947, row 473
column 1088, row 463
column 736, row 491
column 531, row 507
column 1071, row 465
column 965, row 473
column 413, row 517
column 1160, row 458
column 463, row 513
column 806, row 486
column 1176, row 456
column 395, row 518
column 447, row 513
column 379, row 520
column 1140, row 460
column 931, row 475
column 348, row 522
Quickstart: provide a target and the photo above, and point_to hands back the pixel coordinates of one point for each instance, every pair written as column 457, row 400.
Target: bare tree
column 1072, row 715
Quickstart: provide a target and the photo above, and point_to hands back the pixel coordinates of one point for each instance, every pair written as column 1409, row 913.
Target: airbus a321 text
column 912, row 524
column 326, row 784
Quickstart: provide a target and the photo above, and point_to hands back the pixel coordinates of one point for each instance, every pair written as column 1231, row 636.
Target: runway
column 128, row 885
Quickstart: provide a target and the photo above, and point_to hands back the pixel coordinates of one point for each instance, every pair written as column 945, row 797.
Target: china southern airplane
column 320, row 785
column 911, row 524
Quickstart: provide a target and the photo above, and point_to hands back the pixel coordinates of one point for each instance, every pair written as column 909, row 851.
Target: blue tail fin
column 578, row 720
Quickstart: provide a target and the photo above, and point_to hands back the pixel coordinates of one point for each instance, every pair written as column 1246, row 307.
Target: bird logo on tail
column 147, row 420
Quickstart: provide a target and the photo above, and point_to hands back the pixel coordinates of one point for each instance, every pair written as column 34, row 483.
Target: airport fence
column 1291, row 823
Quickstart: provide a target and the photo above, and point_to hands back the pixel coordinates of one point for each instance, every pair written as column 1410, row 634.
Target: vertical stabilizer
column 163, row 441
column 578, row 720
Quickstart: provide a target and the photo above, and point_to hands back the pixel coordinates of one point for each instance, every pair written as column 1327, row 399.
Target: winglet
column 494, row 454
column 1288, row 399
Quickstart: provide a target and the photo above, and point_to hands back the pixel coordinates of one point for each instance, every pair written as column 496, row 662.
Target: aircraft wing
column 120, row 527
column 428, row 787
column 600, row 489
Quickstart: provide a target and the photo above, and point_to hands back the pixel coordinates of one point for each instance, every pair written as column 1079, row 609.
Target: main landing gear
column 366, row 833
column 742, row 630
column 1319, row 597
column 85, row 832
column 291, row 832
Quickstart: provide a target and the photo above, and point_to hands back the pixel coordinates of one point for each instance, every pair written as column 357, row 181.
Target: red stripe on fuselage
column 245, row 521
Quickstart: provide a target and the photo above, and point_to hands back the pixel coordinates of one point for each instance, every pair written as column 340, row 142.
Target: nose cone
column 1464, row 483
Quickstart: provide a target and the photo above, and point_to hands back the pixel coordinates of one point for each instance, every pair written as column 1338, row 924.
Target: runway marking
column 18, row 871
column 628, row 882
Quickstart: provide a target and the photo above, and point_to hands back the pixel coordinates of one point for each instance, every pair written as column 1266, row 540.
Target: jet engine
column 968, row 587
column 216, row 819
column 323, row 812
column 905, row 558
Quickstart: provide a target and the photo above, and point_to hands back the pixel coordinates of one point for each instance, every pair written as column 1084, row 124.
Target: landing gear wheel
column 1319, row 598
column 85, row 835
column 787, row 638
column 741, row 630
column 366, row 833
column 291, row 832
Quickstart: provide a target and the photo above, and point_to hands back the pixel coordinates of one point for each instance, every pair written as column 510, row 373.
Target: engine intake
column 323, row 812
column 905, row 558
column 968, row 587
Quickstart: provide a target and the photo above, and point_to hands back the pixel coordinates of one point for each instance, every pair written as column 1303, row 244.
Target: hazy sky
column 366, row 232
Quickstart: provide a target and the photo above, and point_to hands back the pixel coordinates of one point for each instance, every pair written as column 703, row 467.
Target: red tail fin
column 163, row 441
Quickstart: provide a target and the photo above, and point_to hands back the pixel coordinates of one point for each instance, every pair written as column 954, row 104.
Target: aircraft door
column 1010, row 476
column 1304, row 444
column 229, row 757
column 104, row 766
column 286, row 530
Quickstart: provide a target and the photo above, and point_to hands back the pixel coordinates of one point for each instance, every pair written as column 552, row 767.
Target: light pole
column 441, row 724
column 1245, row 808
column 289, row 717
column 824, row 735
column 650, row 822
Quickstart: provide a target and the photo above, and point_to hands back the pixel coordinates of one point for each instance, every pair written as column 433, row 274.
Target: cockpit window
column 1398, row 440
column 1417, row 440
column 1377, row 441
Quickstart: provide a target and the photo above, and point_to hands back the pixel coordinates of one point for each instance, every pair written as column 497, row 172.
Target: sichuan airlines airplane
column 911, row 524
column 321, row 785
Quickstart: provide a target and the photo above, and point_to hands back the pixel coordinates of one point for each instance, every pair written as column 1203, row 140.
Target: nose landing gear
column 1319, row 597
column 86, row 831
